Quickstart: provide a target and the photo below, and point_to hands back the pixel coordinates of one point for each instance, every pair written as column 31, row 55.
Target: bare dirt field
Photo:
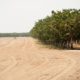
column 24, row 59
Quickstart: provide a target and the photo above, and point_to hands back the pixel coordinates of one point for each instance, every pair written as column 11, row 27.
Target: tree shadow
column 76, row 48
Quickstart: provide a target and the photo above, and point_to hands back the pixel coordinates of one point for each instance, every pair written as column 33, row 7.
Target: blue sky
column 21, row 15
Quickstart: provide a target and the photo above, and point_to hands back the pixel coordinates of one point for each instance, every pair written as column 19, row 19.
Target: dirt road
column 24, row 59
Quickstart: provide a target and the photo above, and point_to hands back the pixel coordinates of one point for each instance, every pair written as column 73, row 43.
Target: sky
column 21, row 15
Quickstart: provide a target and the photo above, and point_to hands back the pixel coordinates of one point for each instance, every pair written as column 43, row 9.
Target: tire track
column 49, row 69
column 11, row 58
column 58, row 74
column 6, row 44
column 46, row 61
column 64, row 71
column 73, row 63
column 13, row 63
column 29, row 63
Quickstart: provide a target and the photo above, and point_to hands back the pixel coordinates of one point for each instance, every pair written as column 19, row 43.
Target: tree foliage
column 14, row 34
column 61, row 29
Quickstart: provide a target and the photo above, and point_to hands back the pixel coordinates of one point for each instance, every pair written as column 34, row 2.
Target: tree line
column 14, row 34
column 61, row 29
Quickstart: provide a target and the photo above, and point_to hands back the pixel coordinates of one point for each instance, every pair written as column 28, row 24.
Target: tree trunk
column 71, row 43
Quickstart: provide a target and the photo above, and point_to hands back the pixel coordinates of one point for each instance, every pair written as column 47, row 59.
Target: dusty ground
column 23, row 59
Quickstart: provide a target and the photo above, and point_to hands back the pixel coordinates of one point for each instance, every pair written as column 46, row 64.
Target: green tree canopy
column 61, row 28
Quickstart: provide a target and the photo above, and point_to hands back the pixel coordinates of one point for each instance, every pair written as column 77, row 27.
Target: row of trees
column 61, row 29
column 14, row 34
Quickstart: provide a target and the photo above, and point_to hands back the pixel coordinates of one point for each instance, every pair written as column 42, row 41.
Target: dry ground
column 23, row 59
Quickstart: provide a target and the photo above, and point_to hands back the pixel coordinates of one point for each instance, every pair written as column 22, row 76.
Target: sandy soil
column 23, row 59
